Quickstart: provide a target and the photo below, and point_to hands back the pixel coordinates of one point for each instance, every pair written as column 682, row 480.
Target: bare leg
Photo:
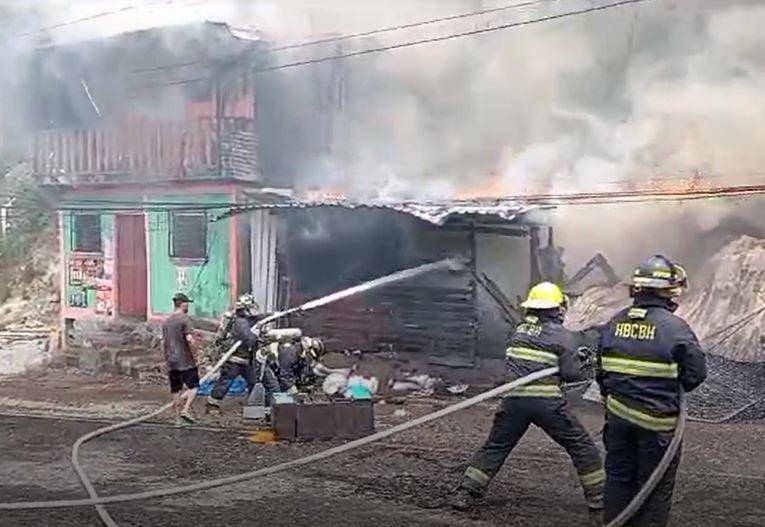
column 190, row 395
column 177, row 403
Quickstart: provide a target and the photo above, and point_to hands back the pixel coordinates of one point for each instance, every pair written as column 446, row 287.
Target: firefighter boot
column 594, row 498
column 463, row 498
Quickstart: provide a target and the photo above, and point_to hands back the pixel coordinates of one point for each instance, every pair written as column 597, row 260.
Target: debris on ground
column 458, row 389
column 361, row 387
column 335, row 382
column 21, row 355
column 419, row 384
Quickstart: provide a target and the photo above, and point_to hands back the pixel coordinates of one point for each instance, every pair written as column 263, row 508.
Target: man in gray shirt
column 181, row 365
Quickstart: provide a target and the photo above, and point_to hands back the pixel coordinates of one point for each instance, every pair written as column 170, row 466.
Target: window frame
column 73, row 237
column 171, row 231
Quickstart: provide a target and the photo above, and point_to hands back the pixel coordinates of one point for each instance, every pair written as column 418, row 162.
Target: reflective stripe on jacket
column 538, row 343
column 646, row 356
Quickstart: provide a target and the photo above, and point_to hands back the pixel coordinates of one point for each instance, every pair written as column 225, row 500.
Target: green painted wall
column 207, row 283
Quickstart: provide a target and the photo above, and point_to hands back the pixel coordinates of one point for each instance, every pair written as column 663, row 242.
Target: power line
column 454, row 36
column 96, row 16
column 410, row 25
column 352, row 36
column 407, row 44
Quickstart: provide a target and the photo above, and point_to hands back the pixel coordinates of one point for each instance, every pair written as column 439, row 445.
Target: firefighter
column 647, row 357
column 296, row 363
column 290, row 359
column 238, row 327
column 539, row 342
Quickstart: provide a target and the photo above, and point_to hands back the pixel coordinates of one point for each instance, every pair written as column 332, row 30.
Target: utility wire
column 352, row 36
column 412, row 43
column 96, row 16
column 453, row 36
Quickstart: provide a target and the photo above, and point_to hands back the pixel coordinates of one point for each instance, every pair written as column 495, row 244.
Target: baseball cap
column 181, row 297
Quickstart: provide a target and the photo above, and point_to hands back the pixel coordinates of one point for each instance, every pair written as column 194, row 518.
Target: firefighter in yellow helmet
column 647, row 356
column 538, row 343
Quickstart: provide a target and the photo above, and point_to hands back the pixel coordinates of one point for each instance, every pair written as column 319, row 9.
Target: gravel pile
column 730, row 387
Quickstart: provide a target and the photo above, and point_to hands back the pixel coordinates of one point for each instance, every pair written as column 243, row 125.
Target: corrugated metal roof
column 436, row 212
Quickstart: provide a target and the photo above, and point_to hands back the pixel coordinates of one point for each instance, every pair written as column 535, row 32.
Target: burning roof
column 442, row 213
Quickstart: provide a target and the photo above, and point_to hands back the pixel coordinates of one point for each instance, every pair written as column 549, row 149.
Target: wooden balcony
column 140, row 150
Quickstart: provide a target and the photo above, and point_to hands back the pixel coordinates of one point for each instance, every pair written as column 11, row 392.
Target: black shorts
column 178, row 378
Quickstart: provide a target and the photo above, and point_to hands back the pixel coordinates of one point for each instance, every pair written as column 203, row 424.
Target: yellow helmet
column 545, row 296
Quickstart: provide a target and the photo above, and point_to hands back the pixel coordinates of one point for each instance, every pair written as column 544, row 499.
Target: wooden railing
column 140, row 149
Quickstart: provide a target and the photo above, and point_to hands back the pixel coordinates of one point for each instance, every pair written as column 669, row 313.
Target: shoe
column 187, row 418
column 594, row 502
column 212, row 406
column 462, row 499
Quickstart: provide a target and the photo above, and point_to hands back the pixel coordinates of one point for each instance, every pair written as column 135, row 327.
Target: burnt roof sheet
column 436, row 212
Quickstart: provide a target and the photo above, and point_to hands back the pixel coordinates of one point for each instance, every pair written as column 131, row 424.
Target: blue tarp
column 238, row 387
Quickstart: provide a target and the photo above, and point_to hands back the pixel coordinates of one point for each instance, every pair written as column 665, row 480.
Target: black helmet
column 660, row 273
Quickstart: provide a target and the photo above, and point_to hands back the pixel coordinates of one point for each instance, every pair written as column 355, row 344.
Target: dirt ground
column 402, row 481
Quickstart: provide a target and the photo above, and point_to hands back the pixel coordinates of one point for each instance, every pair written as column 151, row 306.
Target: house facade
column 141, row 140
column 149, row 145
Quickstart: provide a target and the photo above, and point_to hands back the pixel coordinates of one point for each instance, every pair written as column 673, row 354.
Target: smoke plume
column 659, row 90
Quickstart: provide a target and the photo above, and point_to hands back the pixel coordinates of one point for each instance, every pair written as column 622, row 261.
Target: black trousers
column 231, row 370
column 551, row 415
column 632, row 453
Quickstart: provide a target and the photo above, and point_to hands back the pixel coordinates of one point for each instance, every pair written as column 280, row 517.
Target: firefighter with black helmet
column 237, row 326
column 296, row 362
column 539, row 342
column 647, row 357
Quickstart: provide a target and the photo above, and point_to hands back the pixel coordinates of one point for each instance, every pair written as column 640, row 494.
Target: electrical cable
column 372, row 32
column 97, row 16
column 411, row 43
column 452, row 36
column 352, row 36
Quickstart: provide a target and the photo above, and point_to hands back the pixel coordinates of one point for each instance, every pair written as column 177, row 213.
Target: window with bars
column 188, row 235
column 86, row 233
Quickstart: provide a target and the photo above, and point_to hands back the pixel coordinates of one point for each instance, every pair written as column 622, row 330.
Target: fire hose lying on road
column 100, row 502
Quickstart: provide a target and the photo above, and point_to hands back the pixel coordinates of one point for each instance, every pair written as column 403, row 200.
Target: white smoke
column 660, row 89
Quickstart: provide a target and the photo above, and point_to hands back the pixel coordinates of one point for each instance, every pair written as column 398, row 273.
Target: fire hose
column 100, row 509
column 449, row 263
column 246, row 476
column 99, row 502
column 658, row 473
